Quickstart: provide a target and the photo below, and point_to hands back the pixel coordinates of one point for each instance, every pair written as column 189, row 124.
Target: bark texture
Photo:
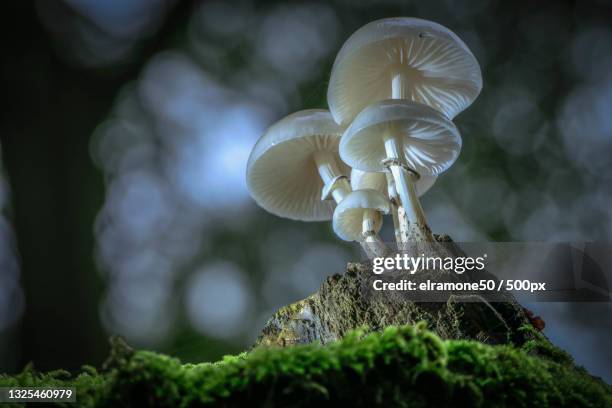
column 341, row 305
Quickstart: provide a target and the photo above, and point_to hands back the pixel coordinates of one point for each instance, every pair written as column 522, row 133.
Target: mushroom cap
column 428, row 141
column 439, row 69
column 282, row 175
column 348, row 216
column 361, row 180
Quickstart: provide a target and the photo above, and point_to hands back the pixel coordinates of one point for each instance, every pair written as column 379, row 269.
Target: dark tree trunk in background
column 50, row 111
column 50, row 114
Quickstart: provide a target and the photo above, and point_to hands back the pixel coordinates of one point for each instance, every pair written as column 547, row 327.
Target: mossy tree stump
column 344, row 303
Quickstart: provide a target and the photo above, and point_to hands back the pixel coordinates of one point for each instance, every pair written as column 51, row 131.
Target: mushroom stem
column 329, row 172
column 339, row 187
column 372, row 244
column 404, row 183
column 394, row 200
column 404, row 180
column 397, row 87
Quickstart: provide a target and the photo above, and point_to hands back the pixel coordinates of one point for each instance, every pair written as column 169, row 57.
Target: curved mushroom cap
column 429, row 142
column 348, row 216
column 438, row 68
column 361, row 180
column 282, row 175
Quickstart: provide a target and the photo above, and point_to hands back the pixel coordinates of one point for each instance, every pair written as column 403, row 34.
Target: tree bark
column 341, row 305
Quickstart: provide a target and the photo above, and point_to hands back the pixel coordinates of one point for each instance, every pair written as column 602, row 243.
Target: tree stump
column 341, row 305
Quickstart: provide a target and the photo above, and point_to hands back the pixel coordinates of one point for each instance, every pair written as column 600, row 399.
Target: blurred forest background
column 125, row 131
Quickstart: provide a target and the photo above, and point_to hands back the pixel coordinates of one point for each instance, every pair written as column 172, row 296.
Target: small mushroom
column 294, row 169
column 409, row 139
column 383, row 182
column 403, row 58
column 359, row 218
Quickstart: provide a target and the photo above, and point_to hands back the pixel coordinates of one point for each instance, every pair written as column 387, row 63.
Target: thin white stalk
column 329, row 172
column 372, row 244
column 404, row 183
column 398, row 90
column 404, row 179
column 404, row 224
column 394, row 199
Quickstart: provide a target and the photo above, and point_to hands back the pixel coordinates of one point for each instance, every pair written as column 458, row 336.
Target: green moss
column 92, row 387
column 541, row 347
column 400, row 366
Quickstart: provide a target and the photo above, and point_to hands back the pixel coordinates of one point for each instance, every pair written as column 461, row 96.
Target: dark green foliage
column 401, row 366
column 91, row 386
column 542, row 347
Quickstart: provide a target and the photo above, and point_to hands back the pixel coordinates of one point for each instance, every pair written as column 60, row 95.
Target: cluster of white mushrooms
column 395, row 87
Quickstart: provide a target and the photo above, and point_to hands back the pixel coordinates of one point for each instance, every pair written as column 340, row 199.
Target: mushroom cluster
column 395, row 87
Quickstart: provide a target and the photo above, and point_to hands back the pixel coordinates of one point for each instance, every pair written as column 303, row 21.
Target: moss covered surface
column 400, row 366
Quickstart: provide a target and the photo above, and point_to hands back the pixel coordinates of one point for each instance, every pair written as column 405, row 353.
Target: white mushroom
column 294, row 167
column 411, row 140
column 403, row 58
column 359, row 218
column 431, row 75
column 383, row 182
